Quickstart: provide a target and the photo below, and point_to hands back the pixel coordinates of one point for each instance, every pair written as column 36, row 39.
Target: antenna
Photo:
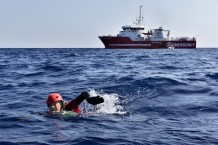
column 140, row 15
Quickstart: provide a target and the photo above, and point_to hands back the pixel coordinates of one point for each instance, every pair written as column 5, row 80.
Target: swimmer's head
column 55, row 102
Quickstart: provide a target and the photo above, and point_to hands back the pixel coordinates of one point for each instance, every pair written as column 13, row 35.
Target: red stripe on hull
column 127, row 43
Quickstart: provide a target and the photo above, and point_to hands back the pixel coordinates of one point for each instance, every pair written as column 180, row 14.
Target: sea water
column 151, row 96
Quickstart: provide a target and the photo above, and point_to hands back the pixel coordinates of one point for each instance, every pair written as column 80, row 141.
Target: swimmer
column 56, row 103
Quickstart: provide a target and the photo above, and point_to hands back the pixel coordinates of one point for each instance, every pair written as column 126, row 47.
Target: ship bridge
column 135, row 31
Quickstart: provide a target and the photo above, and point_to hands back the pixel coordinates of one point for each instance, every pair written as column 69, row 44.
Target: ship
column 135, row 37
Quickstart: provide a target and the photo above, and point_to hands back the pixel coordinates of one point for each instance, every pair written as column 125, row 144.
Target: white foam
column 111, row 104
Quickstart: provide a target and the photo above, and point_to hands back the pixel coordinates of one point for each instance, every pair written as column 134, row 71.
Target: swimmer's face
column 56, row 106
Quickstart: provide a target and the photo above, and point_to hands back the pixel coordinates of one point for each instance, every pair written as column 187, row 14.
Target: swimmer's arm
column 83, row 96
column 76, row 102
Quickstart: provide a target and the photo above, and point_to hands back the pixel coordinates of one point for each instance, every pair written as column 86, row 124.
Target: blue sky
column 78, row 23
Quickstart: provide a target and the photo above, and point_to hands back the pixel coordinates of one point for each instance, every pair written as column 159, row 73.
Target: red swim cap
column 54, row 97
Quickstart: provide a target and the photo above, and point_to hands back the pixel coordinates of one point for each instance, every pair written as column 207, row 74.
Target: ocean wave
column 151, row 96
column 22, row 142
column 212, row 76
column 52, row 68
column 31, row 84
column 139, row 58
column 179, row 111
column 168, row 67
column 6, row 86
column 34, row 74
column 106, row 140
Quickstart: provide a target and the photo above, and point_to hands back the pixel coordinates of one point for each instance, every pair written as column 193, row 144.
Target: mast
column 140, row 15
column 139, row 20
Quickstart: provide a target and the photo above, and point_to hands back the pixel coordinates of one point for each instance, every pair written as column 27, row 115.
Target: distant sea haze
column 151, row 96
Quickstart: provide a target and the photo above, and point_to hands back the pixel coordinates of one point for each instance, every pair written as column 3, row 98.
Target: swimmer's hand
column 95, row 100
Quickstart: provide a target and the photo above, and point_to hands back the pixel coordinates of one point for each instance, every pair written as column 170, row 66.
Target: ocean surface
column 151, row 96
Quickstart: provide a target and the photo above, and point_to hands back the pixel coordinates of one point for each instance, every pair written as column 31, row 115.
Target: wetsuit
column 73, row 105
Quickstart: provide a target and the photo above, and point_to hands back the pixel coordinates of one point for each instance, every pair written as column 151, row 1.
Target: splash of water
column 111, row 104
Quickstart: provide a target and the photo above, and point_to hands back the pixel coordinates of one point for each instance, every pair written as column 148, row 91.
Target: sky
column 78, row 23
